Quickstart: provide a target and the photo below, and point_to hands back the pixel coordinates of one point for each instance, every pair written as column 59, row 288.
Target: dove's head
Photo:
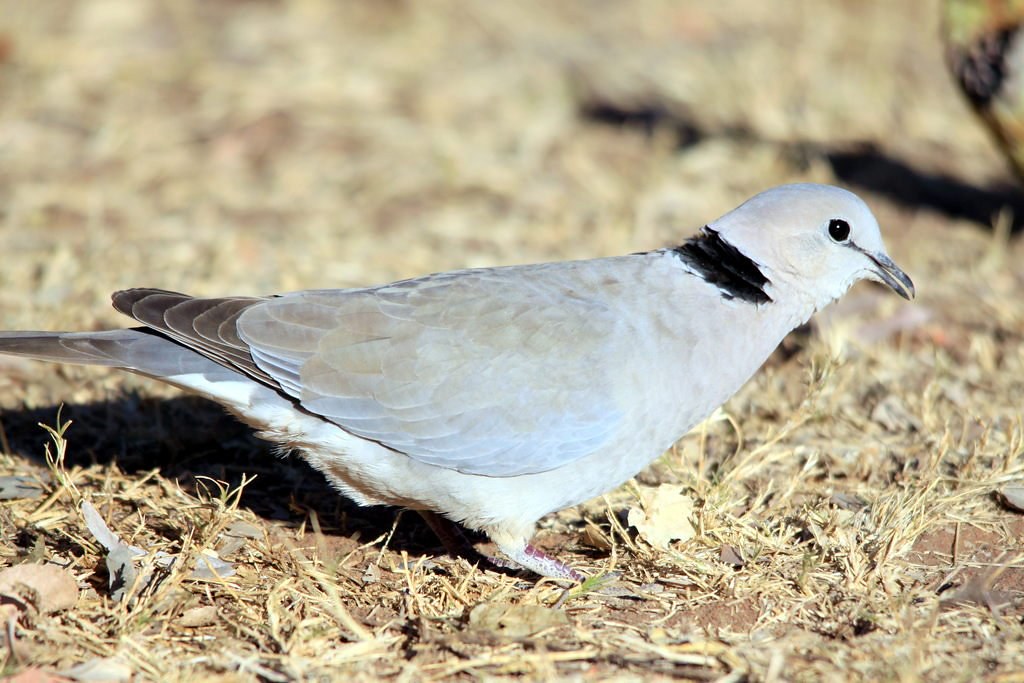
column 812, row 242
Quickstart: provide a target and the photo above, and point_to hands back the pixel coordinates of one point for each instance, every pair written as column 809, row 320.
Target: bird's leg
column 520, row 555
column 526, row 556
column 448, row 532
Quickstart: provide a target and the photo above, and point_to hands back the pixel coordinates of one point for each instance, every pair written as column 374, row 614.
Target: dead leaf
column 236, row 536
column 121, row 572
column 49, row 587
column 978, row 591
column 199, row 616
column 15, row 487
column 730, row 556
column 514, row 621
column 979, row 588
column 104, row 669
column 848, row 501
column 33, row 675
column 1013, row 497
column 372, row 574
column 892, row 414
column 664, row 517
column 594, row 537
column 121, row 558
column 210, row 566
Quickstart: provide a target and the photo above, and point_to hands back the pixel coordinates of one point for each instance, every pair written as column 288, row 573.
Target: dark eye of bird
column 838, row 229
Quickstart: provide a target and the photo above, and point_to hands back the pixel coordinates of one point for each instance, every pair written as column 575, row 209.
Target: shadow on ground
column 189, row 440
column 861, row 165
column 867, row 167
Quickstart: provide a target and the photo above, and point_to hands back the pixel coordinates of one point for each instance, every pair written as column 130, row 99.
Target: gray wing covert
column 452, row 370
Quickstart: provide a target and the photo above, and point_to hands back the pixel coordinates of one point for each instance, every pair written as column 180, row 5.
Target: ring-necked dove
column 495, row 396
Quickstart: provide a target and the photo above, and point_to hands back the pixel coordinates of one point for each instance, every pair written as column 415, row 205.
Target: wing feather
column 476, row 371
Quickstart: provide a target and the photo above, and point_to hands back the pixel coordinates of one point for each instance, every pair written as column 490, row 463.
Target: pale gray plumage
column 495, row 396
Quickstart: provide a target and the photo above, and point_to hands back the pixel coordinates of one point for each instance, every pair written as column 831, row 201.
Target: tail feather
column 140, row 350
column 207, row 326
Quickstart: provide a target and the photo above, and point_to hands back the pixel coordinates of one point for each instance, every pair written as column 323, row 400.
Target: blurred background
column 253, row 146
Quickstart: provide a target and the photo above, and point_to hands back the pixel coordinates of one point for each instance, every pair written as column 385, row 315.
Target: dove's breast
column 688, row 350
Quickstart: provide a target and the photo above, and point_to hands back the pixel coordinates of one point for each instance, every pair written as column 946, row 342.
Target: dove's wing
column 486, row 372
column 455, row 371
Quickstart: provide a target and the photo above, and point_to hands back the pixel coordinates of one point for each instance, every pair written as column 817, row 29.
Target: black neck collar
column 726, row 267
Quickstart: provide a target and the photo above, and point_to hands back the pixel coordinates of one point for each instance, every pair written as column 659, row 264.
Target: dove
column 985, row 53
column 494, row 396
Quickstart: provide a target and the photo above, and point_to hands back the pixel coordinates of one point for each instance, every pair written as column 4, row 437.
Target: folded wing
column 474, row 371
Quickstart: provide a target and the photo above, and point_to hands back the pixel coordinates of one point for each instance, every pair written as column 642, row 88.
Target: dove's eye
column 838, row 229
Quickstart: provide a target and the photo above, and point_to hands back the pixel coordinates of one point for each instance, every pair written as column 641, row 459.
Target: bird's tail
column 140, row 350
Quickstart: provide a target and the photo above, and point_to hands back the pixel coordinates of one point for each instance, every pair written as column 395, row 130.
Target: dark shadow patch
column 867, row 167
column 861, row 165
column 644, row 118
column 189, row 439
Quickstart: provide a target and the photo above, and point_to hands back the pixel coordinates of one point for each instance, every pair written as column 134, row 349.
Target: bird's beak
column 891, row 274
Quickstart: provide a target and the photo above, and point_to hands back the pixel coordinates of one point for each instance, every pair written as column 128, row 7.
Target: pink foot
column 523, row 556
column 537, row 561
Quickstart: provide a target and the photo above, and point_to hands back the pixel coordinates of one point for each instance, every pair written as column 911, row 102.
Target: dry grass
column 259, row 146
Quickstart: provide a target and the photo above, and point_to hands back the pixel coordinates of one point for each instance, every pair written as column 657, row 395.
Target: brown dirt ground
column 254, row 146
